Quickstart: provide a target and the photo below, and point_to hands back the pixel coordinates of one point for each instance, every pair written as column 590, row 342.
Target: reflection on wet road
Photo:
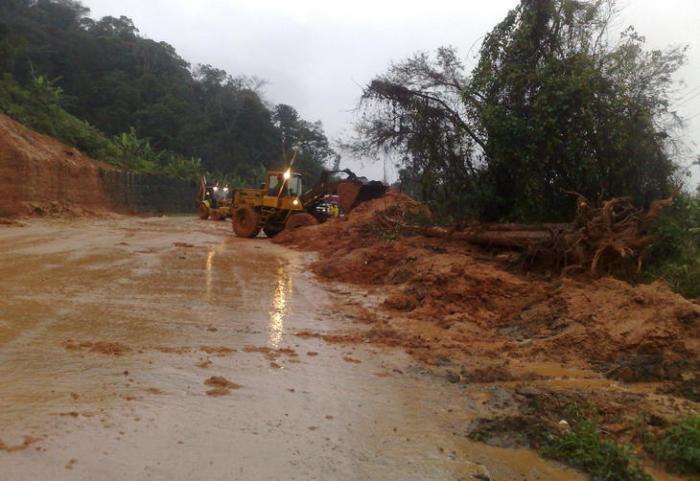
column 110, row 328
column 278, row 309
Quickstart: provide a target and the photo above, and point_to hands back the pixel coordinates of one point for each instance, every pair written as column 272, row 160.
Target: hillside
column 110, row 76
column 39, row 174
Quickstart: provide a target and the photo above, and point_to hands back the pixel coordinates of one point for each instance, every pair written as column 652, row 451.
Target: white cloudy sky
column 317, row 54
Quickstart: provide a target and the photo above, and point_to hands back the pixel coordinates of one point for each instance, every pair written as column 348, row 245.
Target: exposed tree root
column 610, row 238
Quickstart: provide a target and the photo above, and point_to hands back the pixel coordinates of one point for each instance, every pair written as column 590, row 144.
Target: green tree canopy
column 116, row 80
column 306, row 139
column 552, row 106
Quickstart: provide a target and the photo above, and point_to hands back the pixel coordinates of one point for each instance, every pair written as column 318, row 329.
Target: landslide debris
column 530, row 346
column 449, row 302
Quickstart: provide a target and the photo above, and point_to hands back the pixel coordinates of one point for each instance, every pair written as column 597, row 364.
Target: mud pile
column 645, row 332
column 41, row 176
column 344, row 236
column 450, row 303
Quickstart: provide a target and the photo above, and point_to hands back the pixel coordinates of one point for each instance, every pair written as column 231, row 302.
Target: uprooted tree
column 610, row 238
column 552, row 106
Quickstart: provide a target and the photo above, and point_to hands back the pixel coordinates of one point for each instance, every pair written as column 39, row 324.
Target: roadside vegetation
column 675, row 256
column 679, row 448
column 576, row 435
column 585, row 448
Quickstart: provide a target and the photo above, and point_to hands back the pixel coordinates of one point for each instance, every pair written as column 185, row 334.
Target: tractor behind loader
column 213, row 201
column 281, row 203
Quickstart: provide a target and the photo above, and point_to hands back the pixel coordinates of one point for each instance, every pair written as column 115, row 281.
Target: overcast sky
column 316, row 55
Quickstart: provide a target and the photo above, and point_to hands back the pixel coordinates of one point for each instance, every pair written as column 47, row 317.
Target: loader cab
column 276, row 180
column 282, row 190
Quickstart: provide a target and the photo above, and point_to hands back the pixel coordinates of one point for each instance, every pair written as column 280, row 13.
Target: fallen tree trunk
column 610, row 237
column 484, row 235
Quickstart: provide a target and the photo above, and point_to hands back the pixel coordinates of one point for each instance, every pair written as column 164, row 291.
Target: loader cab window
column 273, row 183
column 294, row 185
column 291, row 187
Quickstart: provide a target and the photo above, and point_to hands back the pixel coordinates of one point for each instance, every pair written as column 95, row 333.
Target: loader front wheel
column 246, row 222
column 300, row 220
column 203, row 211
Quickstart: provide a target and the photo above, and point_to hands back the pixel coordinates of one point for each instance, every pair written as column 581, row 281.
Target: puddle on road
column 175, row 316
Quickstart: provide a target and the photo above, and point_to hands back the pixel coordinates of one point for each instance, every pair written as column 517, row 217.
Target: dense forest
column 101, row 86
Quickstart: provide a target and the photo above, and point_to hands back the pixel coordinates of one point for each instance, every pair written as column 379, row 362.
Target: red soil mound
column 446, row 301
column 341, row 236
column 40, row 175
column 610, row 322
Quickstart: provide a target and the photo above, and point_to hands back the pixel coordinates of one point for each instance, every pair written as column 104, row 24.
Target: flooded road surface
column 111, row 328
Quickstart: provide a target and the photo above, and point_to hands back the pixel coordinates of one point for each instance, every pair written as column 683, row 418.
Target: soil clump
column 221, row 386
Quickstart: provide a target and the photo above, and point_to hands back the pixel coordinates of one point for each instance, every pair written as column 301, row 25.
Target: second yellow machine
column 281, row 203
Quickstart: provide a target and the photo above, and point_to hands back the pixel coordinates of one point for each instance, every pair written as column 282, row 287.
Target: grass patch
column 675, row 256
column 604, row 459
column 679, row 448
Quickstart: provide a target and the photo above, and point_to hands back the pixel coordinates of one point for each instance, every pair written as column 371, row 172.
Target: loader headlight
column 295, row 202
column 225, row 189
column 287, row 174
column 216, row 189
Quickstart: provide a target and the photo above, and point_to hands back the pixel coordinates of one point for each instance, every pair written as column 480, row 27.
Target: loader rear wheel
column 203, row 211
column 246, row 222
column 300, row 220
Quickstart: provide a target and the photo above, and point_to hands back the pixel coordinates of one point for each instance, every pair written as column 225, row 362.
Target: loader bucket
column 352, row 193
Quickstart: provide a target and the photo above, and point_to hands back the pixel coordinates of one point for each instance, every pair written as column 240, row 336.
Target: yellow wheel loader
column 213, row 201
column 281, row 203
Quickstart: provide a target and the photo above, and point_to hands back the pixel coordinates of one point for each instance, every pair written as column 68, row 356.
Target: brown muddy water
column 109, row 329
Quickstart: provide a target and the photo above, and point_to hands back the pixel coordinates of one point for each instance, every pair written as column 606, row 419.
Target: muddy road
column 114, row 337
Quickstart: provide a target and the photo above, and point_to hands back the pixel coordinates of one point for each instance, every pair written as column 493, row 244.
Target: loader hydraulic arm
column 352, row 189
